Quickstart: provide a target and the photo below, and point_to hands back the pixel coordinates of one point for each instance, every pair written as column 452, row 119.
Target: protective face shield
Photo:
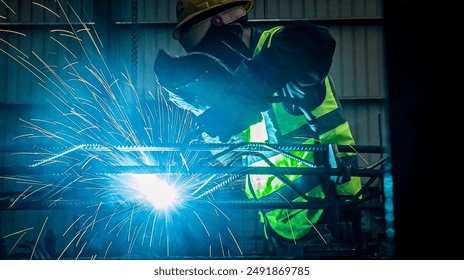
column 213, row 27
column 225, row 43
column 195, row 81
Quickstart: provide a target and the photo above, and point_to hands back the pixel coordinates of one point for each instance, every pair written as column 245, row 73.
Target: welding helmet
column 196, row 17
column 194, row 81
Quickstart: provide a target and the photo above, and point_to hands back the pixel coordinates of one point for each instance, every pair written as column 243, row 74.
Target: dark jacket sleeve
column 300, row 52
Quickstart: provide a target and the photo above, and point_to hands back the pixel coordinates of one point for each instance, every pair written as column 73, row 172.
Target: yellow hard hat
column 190, row 12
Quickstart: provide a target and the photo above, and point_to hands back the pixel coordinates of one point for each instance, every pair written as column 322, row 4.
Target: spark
column 96, row 214
column 14, row 47
column 235, row 240
column 81, row 236
column 107, row 249
column 73, row 223
column 50, row 70
column 37, row 190
column 18, row 179
column 88, row 33
column 146, row 227
column 46, row 8
column 38, row 237
column 359, row 154
column 152, row 230
column 16, row 243
column 134, row 239
column 9, row 8
column 20, row 63
column 55, row 201
column 317, row 231
column 18, row 232
column 80, row 251
column 167, row 245
column 130, row 223
column 204, row 226
column 222, row 245
column 64, row 47
column 291, row 228
column 219, row 210
column 71, row 36
column 90, row 106
column 19, row 196
column 67, row 246
column 62, row 30
column 13, row 32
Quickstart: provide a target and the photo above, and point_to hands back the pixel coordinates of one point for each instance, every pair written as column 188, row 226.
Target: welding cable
column 287, row 182
column 265, row 159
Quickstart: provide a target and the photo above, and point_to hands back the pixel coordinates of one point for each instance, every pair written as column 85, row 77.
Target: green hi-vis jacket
column 279, row 126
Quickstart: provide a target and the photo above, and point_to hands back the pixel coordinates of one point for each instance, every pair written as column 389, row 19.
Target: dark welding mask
column 195, row 81
column 225, row 43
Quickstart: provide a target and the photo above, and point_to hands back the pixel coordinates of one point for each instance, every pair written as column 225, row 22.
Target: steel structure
column 226, row 176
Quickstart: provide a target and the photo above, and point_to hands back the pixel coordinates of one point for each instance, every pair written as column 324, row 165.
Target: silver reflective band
column 193, row 36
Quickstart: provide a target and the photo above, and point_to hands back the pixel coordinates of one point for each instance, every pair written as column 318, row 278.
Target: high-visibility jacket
column 331, row 128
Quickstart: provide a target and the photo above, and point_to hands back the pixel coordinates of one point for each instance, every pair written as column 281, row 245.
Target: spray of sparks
column 97, row 116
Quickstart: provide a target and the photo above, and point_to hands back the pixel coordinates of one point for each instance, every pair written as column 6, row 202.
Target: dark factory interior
column 87, row 135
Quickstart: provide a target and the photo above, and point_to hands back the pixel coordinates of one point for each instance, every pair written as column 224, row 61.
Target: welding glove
column 245, row 98
column 230, row 117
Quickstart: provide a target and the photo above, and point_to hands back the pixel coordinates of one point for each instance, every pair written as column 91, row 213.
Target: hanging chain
column 134, row 50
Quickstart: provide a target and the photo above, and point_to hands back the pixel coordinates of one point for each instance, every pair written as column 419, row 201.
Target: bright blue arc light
column 154, row 190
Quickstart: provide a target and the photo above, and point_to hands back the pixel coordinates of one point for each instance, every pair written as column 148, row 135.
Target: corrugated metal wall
column 38, row 37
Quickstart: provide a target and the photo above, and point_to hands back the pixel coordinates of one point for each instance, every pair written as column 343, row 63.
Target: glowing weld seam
column 56, row 156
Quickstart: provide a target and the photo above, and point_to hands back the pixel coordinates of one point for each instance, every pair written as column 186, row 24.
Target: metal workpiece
column 195, row 147
column 212, row 175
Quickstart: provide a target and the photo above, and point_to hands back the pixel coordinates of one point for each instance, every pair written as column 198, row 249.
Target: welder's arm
column 245, row 98
column 301, row 52
column 232, row 116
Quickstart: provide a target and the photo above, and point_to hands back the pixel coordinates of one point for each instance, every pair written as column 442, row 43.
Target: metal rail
column 234, row 172
column 196, row 147
column 220, row 170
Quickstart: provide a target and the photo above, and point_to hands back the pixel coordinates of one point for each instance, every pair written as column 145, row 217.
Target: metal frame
column 40, row 168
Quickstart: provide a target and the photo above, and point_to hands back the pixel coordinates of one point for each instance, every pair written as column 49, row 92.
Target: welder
column 269, row 86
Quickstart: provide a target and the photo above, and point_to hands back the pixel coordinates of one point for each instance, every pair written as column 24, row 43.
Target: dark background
column 424, row 129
